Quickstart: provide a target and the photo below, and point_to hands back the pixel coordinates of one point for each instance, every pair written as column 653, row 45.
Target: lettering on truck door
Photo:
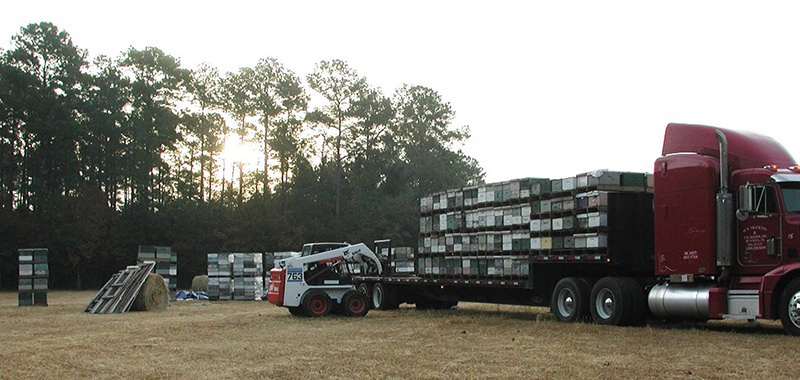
column 756, row 233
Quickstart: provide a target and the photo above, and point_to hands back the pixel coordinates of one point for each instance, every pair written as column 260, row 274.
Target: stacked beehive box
column 33, row 276
column 247, row 276
column 219, row 276
column 166, row 263
column 403, row 260
column 493, row 230
column 237, row 276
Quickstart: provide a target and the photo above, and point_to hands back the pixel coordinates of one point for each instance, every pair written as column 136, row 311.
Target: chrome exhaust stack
column 725, row 213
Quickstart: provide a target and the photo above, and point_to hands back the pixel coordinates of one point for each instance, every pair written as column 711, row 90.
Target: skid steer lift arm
column 356, row 253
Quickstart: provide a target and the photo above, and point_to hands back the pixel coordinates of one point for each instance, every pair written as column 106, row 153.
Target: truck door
column 760, row 242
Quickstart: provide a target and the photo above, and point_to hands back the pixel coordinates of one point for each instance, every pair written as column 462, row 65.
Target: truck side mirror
column 747, row 206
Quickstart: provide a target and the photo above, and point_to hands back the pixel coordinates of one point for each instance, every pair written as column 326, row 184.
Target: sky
column 548, row 88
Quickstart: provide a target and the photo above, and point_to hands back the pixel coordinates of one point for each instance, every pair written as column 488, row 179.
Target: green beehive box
column 539, row 186
column 40, row 298
column 569, row 242
column 40, row 255
column 569, row 222
column 555, row 186
column 633, row 179
column 25, row 299
column 40, row 269
column 558, row 242
column 536, row 207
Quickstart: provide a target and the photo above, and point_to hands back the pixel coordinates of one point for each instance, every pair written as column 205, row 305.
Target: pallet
column 118, row 294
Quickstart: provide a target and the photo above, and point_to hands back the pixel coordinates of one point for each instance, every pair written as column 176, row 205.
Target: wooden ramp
column 117, row 295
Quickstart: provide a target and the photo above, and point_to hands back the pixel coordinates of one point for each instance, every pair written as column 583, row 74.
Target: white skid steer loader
column 321, row 283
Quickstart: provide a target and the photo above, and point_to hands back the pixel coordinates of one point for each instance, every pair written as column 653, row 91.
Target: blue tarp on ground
column 187, row 296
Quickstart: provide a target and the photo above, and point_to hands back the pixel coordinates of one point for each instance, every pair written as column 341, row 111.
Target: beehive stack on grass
column 247, row 276
column 219, row 276
column 34, row 273
column 166, row 264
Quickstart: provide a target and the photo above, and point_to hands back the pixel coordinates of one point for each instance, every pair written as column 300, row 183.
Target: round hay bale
column 200, row 284
column 153, row 296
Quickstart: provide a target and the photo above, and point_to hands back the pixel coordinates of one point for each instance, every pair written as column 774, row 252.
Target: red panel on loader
column 277, row 282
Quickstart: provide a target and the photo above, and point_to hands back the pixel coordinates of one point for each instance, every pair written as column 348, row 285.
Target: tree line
column 98, row 157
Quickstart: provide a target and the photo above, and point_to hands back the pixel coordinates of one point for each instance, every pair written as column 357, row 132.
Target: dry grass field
column 237, row 340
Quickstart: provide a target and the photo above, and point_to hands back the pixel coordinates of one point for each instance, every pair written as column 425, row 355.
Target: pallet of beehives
column 166, row 263
column 219, row 276
column 33, row 276
column 247, row 276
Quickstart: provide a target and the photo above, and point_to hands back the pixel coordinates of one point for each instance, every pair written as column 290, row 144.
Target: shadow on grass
column 738, row 327
column 485, row 312
column 750, row 328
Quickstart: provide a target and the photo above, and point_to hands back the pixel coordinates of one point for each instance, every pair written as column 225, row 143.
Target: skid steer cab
column 320, row 282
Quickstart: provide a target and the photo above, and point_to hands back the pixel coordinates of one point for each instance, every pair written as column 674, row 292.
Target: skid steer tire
column 355, row 304
column 317, row 304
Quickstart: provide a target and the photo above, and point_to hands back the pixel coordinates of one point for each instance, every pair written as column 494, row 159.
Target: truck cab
column 727, row 225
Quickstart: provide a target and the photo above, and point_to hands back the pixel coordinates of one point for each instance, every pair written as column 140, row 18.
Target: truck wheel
column 789, row 307
column 317, row 304
column 570, row 301
column 354, row 304
column 297, row 311
column 364, row 289
column 638, row 301
column 383, row 297
column 611, row 302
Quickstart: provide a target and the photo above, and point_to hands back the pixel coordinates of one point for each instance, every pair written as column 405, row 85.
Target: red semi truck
column 716, row 237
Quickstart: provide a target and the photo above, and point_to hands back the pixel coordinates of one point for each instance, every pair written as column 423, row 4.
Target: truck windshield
column 791, row 197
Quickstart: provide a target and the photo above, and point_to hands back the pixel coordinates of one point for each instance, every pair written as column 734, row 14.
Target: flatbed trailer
column 626, row 226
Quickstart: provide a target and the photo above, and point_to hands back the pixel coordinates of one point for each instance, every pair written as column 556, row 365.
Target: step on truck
column 712, row 233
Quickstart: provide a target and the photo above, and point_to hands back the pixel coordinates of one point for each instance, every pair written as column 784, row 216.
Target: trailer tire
column 365, row 289
column 317, row 304
column 611, row 302
column 789, row 307
column 570, row 301
column 384, row 297
column 296, row 311
column 355, row 304
column 639, row 306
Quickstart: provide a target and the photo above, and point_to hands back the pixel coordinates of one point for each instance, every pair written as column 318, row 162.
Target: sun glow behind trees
column 234, row 152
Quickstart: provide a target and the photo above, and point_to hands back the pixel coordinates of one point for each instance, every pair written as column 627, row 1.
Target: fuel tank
column 680, row 301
